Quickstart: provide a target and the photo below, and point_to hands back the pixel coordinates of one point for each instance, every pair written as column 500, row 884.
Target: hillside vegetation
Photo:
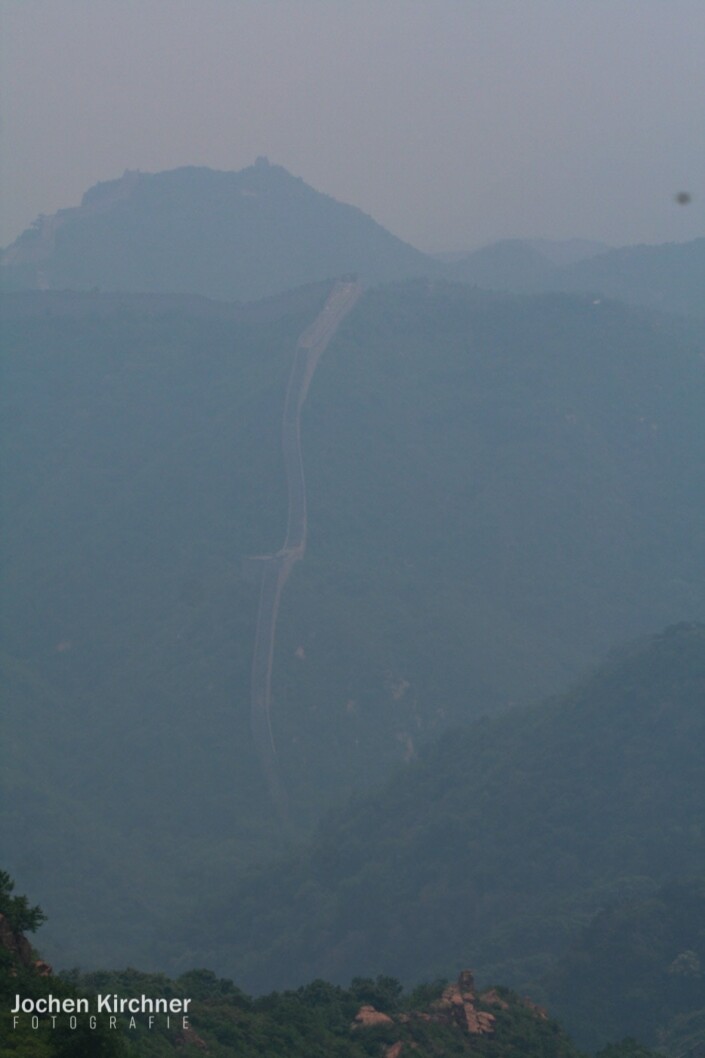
column 369, row 1019
column 499, row 488
column 499, row 844
column 141, row 468
column 669, row 276
column 640, row 964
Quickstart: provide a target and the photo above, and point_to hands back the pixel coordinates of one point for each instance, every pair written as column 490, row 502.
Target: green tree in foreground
column 21, row 917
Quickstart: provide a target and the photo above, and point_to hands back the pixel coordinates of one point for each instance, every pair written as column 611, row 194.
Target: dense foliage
column 16, row 909
column 639, row 964
column 318, row 1020
column 141, row 466
column 498, row 488
column 500, row 843
column 23, row 976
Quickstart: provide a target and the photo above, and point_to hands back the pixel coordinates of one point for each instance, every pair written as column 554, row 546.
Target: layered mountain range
column 261, row 231
column 226, row 235
column 500, row 485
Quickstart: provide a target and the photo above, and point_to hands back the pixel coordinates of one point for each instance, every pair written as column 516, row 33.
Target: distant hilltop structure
column 229, row 236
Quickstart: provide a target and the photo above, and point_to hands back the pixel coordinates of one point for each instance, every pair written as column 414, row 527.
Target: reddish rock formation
column 394, row 1050
column 494, row 999
column 457, row 1006
column 368, row 1016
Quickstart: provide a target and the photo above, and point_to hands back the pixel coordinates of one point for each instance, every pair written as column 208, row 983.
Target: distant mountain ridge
column 240, row 236
column 511, row 265
column 556, row 251
column 229, row 235
column 670, row 276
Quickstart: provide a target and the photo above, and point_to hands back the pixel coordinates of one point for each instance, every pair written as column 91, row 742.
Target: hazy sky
column 452, row 122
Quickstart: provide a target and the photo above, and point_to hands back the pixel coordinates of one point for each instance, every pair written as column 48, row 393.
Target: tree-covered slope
column 498, row 489
column 499, row 842
column 511, row 264
column 369, row 1019
column 639, row 963
column 141, row 466
column 27, row 978
column 226, row 235
column 668, row 277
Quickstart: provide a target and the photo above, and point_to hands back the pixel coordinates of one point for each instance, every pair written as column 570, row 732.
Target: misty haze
column 353, row 507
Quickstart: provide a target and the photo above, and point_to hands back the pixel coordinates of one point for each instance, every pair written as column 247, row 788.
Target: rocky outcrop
column 394, row 1050
column 492, row 998
column 458, row 1006
column 367, row 1017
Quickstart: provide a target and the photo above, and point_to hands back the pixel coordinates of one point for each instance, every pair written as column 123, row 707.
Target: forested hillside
column 499, row 845
column 499, row 488
column 352, row 560
column 369, row 1019
column 640, row 964
column 141, row 467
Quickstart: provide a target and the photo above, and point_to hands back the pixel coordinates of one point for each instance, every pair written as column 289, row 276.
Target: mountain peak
column 228, row 235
